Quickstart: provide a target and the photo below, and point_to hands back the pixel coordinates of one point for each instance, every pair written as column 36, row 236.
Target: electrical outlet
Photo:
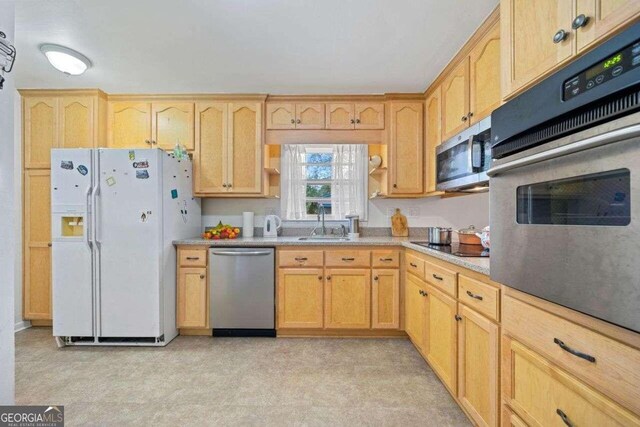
column 414, row 211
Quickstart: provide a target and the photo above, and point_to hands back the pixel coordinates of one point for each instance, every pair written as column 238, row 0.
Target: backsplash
column 455, row 212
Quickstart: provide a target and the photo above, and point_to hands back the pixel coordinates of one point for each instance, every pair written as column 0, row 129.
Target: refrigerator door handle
column 87, row 220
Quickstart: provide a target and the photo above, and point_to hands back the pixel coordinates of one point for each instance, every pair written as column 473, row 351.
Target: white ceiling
column 246, row 46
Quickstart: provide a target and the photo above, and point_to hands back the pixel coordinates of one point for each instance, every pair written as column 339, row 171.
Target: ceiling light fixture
column 66, row 60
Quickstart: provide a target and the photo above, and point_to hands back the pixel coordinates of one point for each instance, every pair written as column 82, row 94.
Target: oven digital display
column 621, row 62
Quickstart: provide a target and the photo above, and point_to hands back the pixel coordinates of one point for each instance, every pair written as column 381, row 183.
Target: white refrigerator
column 115, row 215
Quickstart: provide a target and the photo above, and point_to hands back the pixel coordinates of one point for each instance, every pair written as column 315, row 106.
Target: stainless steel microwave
column 462, row 161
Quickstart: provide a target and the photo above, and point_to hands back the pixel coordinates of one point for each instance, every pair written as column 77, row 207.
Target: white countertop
column 477, row 264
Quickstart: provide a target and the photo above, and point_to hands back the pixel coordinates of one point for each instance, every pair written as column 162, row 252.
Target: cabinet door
column 544, row 395
column 77, row 122
column 478, row 366
column 172, row 123
column 129, row 125
column 406, row 132
column 210, row 157
column 300, row 297
column 527, row 30
column 193, row 301
column 385, row 299
column 245, row 148
column 37, row 241
column 369, row 116
column 281, row 116
column 433, row 134
column 339, row 116
column 415, row 321
column 309, row 116
column 484, row 76
column 604, row 17
column 347, row 298
column 442, row 332
column 40, row 131
column 455, row 100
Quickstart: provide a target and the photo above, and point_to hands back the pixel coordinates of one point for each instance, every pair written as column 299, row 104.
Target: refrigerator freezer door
column 71, row 172
column 128, row 219
column 72, row 290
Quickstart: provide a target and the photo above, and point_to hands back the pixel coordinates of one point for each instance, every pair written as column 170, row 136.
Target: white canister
column 247, row 224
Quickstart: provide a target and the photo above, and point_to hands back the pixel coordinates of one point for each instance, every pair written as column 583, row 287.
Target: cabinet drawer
column 347, row 258
column 441, row 278
column 543, row 394
column 300, row 258
column 385, row 259
column 482, row 297
column 415, row 265
column 193, row 257
column 613, row 368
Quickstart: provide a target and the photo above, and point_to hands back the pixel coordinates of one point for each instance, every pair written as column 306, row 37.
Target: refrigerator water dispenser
column 72, row 226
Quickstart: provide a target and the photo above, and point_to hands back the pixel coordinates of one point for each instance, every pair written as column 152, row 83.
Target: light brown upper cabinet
column 369, row 116
column 471, row 91
column 228, row 159
column 484, row 76
column 281, row 116
column 129, row 125
column 171, row 124
column 210, row 157
column 310, row 116
column 77, row 122
column 340, row 116
column 455, row 100
column 538, row 37
column 595, row 19
column 433, row 134
column 40, row 131
column 406, row 145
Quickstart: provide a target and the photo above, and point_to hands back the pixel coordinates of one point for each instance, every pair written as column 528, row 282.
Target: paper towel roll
column 247, row 224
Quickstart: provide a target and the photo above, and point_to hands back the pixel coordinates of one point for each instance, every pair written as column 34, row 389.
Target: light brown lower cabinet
column 542, row 394
column 385, row 299
column 442, row 332
column 478, row 366
column 300, row 297
column 415, row 311
column 193, row 298
column 347, row 294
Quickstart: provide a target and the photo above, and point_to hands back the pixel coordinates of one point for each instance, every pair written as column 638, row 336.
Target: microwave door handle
column 470, row 153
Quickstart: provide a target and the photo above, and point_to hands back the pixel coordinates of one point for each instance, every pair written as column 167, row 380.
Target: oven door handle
column 582, row 145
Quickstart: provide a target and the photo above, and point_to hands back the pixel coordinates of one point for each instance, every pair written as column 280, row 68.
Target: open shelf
column 378, row 171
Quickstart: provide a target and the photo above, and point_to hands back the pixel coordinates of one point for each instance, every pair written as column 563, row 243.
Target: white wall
column 456, row 212
column 7, row 221
column 19, row 322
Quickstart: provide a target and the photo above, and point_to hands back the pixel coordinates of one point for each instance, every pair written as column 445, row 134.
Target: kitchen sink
column 326, row 238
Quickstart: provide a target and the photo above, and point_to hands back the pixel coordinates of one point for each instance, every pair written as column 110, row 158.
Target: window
column 332, row 177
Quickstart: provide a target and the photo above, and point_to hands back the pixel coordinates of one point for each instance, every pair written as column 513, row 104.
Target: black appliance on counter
column 457, row 249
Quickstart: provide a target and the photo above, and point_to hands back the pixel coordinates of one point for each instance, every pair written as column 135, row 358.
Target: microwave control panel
column 615, row 65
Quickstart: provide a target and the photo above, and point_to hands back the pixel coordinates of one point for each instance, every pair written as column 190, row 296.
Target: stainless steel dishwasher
column 242, row 284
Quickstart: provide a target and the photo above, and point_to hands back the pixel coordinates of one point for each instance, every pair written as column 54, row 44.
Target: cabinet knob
column 292, row 121
column 470, row 114
column 352, row 121
column 579, row 21
column 299, row 121
column 375, row 278
column 319, row 277
column 458, row 317
column 49, row 244
column 328, row 277
column 202, row 276
column 357, row 120
column 395, row 185
column 229, row 185
column 559, row 36
column 464, row 118
column 147, row 141
column 224, row 185
column 153, row 141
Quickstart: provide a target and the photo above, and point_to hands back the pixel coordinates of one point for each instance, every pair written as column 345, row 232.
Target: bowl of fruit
column 221, row 232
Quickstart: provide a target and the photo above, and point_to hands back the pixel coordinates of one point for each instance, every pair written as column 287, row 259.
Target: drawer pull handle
column 423, row 293
column 576, row 353
column 474, row 296
column 413, row 265
column 564, row 417
column 300, row 259
column 435, row 276
column 193, row 258
column 386, row 259
column 348, row 259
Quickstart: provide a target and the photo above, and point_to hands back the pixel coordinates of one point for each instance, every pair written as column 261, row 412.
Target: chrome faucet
column 321, row 212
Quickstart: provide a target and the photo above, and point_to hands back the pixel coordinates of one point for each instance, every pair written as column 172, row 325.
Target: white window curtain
column 349, row 186
column 294, row 185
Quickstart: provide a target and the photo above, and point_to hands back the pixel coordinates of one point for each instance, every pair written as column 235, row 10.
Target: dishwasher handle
column 247, row 253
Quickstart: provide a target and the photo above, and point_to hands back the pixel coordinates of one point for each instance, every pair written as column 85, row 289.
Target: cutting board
column 399, row 226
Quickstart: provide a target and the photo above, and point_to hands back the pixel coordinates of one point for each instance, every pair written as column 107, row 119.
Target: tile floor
column 235, row 381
